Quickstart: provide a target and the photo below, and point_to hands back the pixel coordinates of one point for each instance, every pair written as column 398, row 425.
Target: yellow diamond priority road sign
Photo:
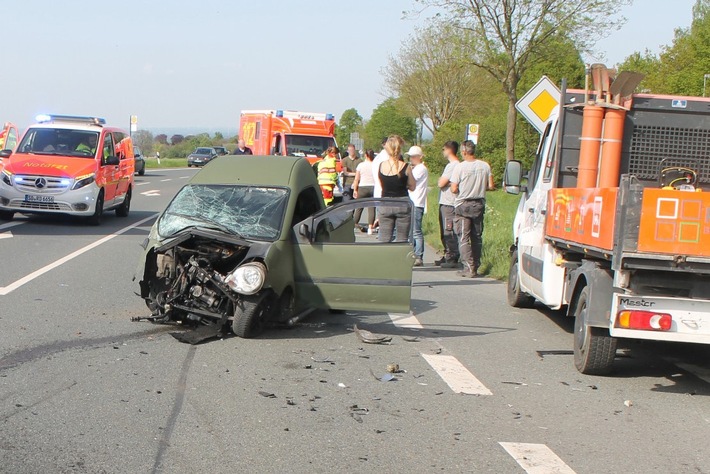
column 539, row 102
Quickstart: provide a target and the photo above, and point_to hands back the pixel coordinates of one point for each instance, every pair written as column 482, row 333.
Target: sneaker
column 468, row 272
column 418, row 262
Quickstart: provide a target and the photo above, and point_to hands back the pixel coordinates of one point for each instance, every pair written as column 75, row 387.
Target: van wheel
column 125, row 207
column 594, row 349
column 6, row 215
column 516, row 297
column 250, row 317
column 99, row 210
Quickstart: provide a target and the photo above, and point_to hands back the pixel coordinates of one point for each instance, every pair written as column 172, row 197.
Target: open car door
column 337, row 266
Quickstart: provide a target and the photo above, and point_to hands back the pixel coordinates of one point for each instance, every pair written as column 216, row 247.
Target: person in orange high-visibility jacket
column 328, row 175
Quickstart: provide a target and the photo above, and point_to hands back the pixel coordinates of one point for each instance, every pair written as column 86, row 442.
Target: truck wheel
column 6, row 215
column 98, row 210
column 249, row 317
column 594, row 349
column 516, row 297
column 125, row 207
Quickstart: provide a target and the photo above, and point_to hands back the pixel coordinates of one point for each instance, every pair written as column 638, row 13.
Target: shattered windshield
column 305, row 145
column 249, row 212
column 60, row 141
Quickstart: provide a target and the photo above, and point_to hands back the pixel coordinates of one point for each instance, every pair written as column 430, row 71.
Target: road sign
column 539, row 102
column 472, row 132
column 134, row 123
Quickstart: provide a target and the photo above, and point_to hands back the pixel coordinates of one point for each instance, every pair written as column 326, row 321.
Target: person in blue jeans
column 418, row 197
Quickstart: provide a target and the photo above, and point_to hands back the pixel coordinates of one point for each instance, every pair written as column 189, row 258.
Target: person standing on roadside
column 469, row 182
column 349, row 167
column 364, row 187
column 328, row 175
column 396, row 179
column 446, row 209
column 418, row 197
column 381, row 157
column 242, row 148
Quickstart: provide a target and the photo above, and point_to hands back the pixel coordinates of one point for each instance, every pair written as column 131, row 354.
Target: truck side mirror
column 513, row 177
column 112, row 161
column 5, row 153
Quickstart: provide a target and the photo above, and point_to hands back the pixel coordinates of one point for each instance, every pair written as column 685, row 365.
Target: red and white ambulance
column 68, row 165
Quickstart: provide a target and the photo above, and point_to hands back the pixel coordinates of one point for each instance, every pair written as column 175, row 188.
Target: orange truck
column 613, row 223
column 287, row 133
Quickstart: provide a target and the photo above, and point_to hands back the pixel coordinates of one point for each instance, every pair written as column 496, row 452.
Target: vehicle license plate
column 33, row 198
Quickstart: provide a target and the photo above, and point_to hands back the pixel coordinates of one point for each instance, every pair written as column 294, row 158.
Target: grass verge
column 497, row 231
column 166, row 163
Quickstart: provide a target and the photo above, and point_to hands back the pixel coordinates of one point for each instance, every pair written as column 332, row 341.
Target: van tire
column 6, row 215
column 95, row 219
column 516, row 297
column 250, row 317
column 125, row 207
column 594, row 349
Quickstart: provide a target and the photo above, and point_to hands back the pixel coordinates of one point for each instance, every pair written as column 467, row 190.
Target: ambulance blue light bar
column 45, row 118
column 279, row 113
column 329, row 117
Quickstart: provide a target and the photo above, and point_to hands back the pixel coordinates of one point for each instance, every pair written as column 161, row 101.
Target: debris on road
column 516, row 383
column 267, row 394
column 542, row 354
column 628, row 403
column 393, row 368
column 412, row 338
column 384, row 378
column 370, row 338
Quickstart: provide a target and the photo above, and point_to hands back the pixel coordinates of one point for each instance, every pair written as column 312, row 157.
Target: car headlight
column 82, row 181
column 247, row 279
column 7, row 177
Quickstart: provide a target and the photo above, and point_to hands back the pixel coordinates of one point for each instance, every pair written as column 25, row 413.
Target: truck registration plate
column 33, row 198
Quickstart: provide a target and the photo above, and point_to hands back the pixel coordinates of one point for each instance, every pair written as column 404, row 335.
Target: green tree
column 144, row 140
column 506, row 35
column 218, row 137
column 350, row 122
column 387, row 119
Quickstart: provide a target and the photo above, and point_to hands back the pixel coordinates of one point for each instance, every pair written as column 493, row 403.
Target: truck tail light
column 645, row 320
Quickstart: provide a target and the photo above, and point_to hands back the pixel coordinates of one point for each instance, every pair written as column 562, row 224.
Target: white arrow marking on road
column 537, row 458
column 456, row 376
column 6, row 235
column 151, row 193
column 37, row 273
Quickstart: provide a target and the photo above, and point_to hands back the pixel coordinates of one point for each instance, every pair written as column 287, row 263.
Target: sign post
column 134, row 124
column 472, row 133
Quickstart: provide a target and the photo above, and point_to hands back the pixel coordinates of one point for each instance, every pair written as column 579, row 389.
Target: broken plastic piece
column 267, row 394
column 370, row 338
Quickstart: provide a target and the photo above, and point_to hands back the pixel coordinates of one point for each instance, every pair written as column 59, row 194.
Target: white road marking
column 184, row 177
column 37, row 273
column 151, row 193
column 143, row 183
column 700, row 372
column 11, row 224
column 164, row 180
column 6, row 235
column 456, row 376
column 408, row 321
column 537, row 458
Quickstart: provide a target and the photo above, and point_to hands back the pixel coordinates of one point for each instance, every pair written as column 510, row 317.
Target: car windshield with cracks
column 250, row 212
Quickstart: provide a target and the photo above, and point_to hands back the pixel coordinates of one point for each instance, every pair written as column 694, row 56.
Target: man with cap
column 418, row 197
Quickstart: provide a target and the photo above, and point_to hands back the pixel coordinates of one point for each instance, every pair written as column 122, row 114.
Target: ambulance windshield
column 306, row 145
column 60, row 141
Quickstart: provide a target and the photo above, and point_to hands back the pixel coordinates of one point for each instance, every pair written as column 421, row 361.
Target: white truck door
column 539, row 274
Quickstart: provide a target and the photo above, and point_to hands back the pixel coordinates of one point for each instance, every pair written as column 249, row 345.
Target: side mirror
column 5, row 153
column 112, row 161
column 304, row 231
column 513, row 177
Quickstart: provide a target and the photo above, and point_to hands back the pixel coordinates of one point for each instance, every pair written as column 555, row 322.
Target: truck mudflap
column 664, row 318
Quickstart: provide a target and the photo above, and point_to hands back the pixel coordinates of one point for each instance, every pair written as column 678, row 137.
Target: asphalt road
column 84, row 389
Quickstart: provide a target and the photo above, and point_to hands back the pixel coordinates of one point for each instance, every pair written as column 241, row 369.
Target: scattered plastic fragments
column 267, row 394
column 370, row 338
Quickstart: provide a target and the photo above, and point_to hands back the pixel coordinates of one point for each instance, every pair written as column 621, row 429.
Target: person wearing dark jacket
column 242, row 149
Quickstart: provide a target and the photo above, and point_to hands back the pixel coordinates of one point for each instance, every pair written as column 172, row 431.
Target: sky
column 194, row 65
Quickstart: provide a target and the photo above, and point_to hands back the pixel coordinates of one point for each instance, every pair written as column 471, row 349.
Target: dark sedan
column 140, row 161
column 201, row 156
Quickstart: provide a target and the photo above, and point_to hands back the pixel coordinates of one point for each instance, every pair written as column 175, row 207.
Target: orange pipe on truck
column 611, row 148
column 592, row 121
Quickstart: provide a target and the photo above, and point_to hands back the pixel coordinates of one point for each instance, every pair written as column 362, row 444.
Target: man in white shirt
column 446, row 209
column 418, row 198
